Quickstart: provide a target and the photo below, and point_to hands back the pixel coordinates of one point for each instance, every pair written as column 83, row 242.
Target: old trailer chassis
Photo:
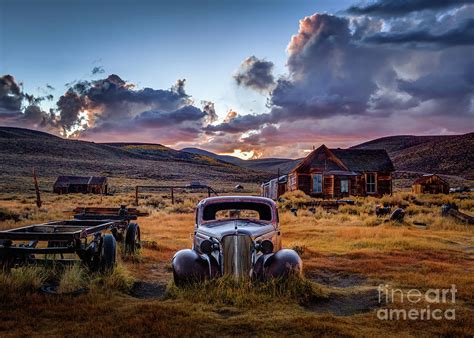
column 85, row 238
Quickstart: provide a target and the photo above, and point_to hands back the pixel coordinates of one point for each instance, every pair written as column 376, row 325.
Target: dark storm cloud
column 156, row 118
column 34, row 115
column 451, row 87
column 20, row 108
column 11, row 95
column 98, row 70
column 70, row 105
column 114, row 90
column 459, row 36
column 112, row 108
column 256, row 74
column 240, row 124
column 113, row 99
column 210, row 111
column 402, row 7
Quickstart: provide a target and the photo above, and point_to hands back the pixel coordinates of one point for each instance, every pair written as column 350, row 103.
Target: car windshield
column 258, row 212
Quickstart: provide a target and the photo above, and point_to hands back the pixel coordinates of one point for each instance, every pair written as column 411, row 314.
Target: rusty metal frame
column 78, row 229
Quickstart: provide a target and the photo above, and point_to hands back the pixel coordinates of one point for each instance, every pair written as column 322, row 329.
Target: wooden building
column 430, row 184
column 274, row 188
column 336, row 173
column 81, row 184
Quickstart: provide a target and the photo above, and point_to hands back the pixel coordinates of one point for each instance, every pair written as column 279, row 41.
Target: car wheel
column 108, row 253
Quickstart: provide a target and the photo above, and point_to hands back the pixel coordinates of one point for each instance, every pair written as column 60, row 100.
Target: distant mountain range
column 22, row 149
column 265, row 164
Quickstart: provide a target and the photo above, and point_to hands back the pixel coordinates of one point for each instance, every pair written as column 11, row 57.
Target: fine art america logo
column 433, row 304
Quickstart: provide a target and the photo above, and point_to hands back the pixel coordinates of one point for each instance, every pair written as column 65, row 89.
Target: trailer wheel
column 108, row 253
column 132, row 238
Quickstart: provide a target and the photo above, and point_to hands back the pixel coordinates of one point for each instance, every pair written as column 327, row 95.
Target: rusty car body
column 245, row 244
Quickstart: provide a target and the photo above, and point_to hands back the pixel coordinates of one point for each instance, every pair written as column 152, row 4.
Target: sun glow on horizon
column 244, row 155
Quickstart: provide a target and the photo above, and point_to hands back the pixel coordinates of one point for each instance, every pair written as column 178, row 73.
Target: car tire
column 108, row 253
column 132, row 239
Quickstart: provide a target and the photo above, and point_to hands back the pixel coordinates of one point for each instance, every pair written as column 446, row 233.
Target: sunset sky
column 255, row 78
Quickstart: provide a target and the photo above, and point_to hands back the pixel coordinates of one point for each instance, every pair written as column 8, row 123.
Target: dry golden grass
column 348, row 243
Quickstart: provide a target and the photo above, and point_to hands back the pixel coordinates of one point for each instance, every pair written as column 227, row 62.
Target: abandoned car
column 237, row 236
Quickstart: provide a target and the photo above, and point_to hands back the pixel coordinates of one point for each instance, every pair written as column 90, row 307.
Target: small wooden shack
column 336, row 173
column 430, row 184
column 81, row 184
column 274, row 188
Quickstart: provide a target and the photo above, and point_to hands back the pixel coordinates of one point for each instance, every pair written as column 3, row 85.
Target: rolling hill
column 449, row 155
column 23, row 149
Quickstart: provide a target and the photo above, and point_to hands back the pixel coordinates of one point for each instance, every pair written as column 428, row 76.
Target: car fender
column 282, row 263
column 190, row 267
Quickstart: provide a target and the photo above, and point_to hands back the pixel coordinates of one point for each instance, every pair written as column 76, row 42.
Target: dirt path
column 349, row 293
column 148, row 290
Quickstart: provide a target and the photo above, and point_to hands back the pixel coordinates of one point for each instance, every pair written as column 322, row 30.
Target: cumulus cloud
column 157, row 118
column 256, row 74
column 113, row 100
column 18, row 108
column 329, row 75
column 368, row 73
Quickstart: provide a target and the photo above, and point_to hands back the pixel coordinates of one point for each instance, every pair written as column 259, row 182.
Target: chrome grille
column 237, row 255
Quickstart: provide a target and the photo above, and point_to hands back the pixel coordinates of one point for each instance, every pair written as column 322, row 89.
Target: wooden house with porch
column 336, row 173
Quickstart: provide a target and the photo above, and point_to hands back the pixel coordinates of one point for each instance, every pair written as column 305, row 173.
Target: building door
column 317, row 183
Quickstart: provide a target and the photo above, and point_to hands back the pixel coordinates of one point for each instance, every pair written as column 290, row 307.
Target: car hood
column 238, row 227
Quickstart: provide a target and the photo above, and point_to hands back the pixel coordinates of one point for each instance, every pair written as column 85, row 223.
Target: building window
column 371, row 183
column 317, row 183
column 344, row 185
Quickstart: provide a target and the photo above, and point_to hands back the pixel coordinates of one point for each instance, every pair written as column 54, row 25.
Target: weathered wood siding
column 431, row 185
column 384, row 183
column 304, row 183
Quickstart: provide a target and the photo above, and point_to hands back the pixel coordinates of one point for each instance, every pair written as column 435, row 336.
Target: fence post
column 38, row 194
column 136, row 195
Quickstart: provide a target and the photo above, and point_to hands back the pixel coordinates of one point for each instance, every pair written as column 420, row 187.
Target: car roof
column 251, row 199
